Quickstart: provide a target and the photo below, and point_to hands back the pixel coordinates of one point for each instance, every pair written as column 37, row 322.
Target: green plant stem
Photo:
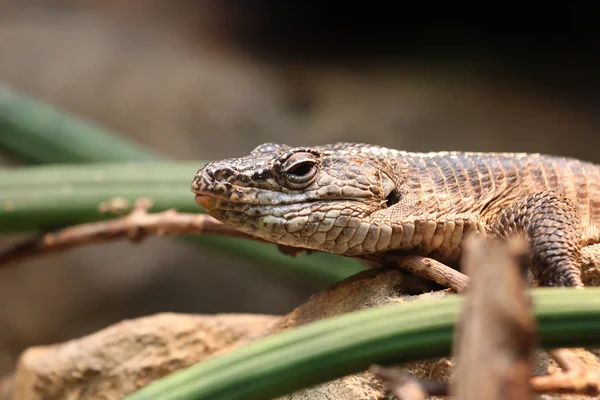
column 346, row 344
column 47, row 197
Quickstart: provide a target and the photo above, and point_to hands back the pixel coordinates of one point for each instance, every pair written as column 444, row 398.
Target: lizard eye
column 300, row 167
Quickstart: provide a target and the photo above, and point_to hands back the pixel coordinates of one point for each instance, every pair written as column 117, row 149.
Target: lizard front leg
column 550, row 224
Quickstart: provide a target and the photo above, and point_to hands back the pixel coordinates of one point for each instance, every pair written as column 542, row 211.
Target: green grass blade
column 349, row 343
column 39, row 133
column 46, row 197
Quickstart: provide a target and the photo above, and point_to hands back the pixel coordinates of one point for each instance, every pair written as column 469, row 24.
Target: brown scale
column 545, row 199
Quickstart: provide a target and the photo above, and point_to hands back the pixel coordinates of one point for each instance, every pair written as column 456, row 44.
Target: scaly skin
column 358, row 199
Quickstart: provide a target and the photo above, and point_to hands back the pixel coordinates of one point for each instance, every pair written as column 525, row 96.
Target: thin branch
column 565, row 360
column 496, row 336
column 430, row 269
column 135, row 227
column 574, row 379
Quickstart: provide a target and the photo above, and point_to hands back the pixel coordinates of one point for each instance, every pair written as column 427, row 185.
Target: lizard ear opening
column 393, row 197
column 391, row 192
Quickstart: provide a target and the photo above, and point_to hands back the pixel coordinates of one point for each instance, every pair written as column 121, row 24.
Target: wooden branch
column 565, row 360
column 430, row 269
column 496, row 337
column 574, row 377
column 446, row 276
column 135, row 227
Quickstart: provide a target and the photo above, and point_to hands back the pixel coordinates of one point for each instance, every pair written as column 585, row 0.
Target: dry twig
column 430, row 269
column 135, row 227
column 573, row 379
column 496, row 336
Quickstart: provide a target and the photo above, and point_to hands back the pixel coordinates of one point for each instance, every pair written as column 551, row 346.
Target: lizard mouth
column 205, row 201
column 210, row 201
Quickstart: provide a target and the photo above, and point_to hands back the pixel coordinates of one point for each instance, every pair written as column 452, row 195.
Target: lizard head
column 306, row 197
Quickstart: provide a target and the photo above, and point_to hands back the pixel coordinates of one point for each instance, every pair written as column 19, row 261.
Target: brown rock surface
column 128, row 355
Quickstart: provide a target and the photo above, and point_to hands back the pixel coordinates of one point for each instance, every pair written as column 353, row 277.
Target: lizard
column 356, row 199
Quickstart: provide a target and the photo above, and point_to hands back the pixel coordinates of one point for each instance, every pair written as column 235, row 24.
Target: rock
column 128, row 355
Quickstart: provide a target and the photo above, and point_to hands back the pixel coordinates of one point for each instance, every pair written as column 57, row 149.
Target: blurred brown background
column 212, row 79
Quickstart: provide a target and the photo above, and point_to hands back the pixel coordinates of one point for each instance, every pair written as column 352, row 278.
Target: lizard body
column 359, row 199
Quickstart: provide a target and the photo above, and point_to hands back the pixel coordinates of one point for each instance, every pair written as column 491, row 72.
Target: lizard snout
column 211, row 183
column 211, row 177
